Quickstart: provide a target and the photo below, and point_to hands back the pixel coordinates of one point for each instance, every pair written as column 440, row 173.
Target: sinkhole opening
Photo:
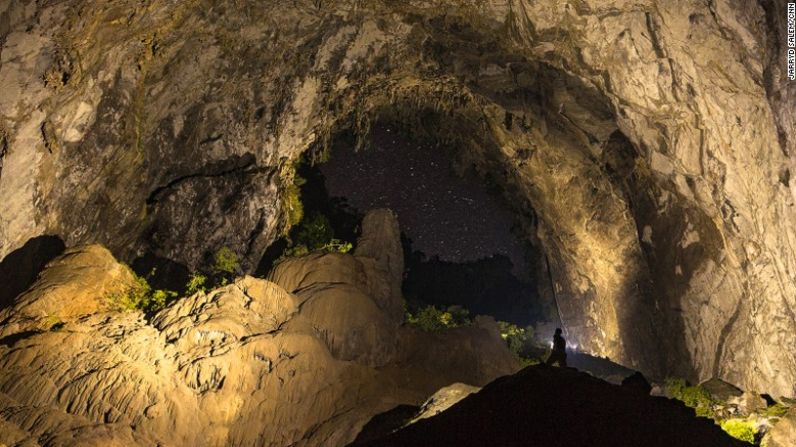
column 464, row 248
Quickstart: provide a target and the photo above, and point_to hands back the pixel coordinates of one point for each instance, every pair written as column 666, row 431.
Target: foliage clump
column 693, row 396
column 292, row 203
column 315, row 233
column 225, row 265
column 141, row 296
column 291, row 198
column 519, row 340
column 777, row 410
column 430, row 318
column 197, row 282
column 743, row 429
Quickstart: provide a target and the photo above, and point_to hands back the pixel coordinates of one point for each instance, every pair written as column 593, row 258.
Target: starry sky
column 443, row 214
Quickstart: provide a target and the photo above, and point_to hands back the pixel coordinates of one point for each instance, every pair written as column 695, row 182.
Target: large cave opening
column 464, row 245
column 461, row 239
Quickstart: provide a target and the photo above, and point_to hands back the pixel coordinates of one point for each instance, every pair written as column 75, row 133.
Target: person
column 559, row 353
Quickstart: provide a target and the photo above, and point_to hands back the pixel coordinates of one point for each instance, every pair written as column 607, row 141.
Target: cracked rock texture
column 246, row 364
column 647, row 144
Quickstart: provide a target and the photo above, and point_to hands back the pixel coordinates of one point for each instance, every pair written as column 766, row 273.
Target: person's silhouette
column 559, row 353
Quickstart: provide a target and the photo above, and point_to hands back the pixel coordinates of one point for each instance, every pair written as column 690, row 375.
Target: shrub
column 519, row 341
column 431, row 319
column 742, row 429
column 226, row 261
column 225, row 265
column 140, row 296
column 337, row 246
column 694, row 396
column 196, row 283
column 461, row 316
column 315, row 234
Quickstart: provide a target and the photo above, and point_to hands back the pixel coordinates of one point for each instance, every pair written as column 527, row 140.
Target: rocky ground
column 305, row 358
column 560, row 407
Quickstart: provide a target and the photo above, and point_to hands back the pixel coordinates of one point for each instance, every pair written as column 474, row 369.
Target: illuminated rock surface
column 784, row 432
column 245, row 364
column 649, row 145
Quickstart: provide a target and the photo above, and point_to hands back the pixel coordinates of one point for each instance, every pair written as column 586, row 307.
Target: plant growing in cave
column 520, row 342
column 743, row 429
column 693, row 396
column 315, row 234
column 291, row 197
column 141, row 296
column 776, row 411
column 430, row 318
column 225, row 265
column 196, row 283
column 519, row 339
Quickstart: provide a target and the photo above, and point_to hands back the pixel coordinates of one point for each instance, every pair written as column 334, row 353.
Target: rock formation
column 649, row 144
column 246, row 364
column 784, row 432
column 574, row 409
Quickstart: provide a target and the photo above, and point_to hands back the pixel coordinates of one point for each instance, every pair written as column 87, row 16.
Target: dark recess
column 315, row 198
column 20, row 268
column 160, row 272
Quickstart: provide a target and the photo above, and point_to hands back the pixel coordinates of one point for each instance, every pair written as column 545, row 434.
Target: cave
column 327, row 218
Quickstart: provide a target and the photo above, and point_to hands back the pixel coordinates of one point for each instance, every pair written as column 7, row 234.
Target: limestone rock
column 721, row 390
column 748, row 403
column 77, row 283
column 648, row 145
column 444, row 399
column 783, row 434
column 380, row 240
column 245, row 364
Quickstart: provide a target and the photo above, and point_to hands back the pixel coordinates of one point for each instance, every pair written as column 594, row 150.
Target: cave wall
column 652, row 140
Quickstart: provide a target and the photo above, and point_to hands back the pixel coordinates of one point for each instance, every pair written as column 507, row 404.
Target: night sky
column 443, row 214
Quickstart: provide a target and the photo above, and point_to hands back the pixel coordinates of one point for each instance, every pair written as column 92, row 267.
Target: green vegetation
column 520, row 341
column 315, row 234
column 742, row 429
column 432, row 319
column 225, row 265
column 292, row 204
column 196, row 283
column 693, row 396
column 141, row 296
column 777, row 410
column 291, row 199
column 306, row 234
column 702, row 402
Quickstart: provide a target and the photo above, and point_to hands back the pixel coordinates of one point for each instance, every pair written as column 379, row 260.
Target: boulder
column 637, row 382
column 783, row 434
column 80, row 282
column 721, row 390
column 444, row 399
column 748, row 402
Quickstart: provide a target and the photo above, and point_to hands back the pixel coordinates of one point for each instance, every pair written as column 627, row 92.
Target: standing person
column 559, row 354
